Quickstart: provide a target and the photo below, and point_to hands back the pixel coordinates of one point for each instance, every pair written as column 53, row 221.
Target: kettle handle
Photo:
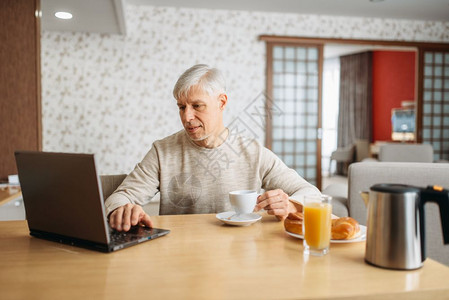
column 440, row 196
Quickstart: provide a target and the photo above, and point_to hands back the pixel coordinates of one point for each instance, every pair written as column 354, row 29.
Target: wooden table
column 9, row 193
column 203, row 259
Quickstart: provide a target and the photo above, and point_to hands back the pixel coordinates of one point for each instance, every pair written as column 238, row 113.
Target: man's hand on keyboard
column 129, row 215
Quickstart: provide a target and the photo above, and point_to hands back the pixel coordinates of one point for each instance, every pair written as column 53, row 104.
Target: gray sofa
column 363, row 175
column 396, row 152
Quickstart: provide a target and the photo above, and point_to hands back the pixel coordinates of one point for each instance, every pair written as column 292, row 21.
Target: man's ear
column 223, row 98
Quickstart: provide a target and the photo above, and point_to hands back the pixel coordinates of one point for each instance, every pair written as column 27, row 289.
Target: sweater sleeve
column 140, row 186
column 276, row 175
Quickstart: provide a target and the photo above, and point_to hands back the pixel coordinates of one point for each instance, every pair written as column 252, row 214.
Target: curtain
column 331, row 91
column 354, row 118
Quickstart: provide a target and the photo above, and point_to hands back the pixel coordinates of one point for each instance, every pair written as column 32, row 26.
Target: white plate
column 229, row 218
column 360, row 238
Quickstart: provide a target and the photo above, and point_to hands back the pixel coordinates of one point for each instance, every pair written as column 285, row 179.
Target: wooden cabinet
column 20, row 86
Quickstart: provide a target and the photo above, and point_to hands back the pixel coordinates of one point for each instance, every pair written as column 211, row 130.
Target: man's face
column 202, row 115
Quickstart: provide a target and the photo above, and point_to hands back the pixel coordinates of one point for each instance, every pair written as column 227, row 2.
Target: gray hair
column 209, row 80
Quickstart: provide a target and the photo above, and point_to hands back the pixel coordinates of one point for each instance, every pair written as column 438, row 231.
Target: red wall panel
column 393, row 82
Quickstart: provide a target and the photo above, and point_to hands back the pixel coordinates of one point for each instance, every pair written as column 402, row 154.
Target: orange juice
column 317, row 225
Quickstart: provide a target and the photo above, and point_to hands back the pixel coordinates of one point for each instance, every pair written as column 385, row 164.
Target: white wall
column 111, row 94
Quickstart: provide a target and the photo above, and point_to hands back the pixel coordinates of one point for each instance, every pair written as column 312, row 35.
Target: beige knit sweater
column 196, row 180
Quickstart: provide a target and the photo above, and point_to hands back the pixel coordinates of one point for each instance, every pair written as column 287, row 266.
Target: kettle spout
column 365, row 197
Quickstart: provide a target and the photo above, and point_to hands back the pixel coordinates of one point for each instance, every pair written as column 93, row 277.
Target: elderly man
column 195, row 168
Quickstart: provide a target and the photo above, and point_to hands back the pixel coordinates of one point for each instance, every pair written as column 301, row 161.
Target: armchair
column 109, row 183
column 344, row 155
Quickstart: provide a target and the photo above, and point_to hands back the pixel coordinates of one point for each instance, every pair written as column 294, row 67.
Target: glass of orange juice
column 317, row 224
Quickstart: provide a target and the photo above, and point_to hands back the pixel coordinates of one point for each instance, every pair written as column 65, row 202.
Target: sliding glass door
column 294, row 123
column 294, row 80
column 434, row 120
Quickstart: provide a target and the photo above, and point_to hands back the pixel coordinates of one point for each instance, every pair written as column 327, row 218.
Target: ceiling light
column 376, row 1
column 63, row 15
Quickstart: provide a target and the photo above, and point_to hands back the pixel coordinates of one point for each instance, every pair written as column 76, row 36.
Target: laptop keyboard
column 135, row 233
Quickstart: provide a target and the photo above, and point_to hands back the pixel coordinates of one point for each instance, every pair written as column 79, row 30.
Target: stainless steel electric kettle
column 395, row 227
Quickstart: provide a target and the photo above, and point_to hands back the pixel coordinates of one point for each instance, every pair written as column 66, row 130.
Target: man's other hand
column 275, row 202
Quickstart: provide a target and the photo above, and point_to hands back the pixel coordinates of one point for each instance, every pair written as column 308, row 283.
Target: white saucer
column 360, row 238
column 230, row 218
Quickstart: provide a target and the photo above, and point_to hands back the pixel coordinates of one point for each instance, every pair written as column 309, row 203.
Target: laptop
column 64, row 202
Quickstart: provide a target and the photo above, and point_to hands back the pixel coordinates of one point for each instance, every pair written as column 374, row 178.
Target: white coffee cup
column 243, row 201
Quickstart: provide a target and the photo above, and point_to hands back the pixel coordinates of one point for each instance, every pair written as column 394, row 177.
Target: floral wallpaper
column 111, row 94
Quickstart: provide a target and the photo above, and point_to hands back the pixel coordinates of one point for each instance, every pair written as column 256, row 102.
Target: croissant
column 344, row 228
column 293, row 222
